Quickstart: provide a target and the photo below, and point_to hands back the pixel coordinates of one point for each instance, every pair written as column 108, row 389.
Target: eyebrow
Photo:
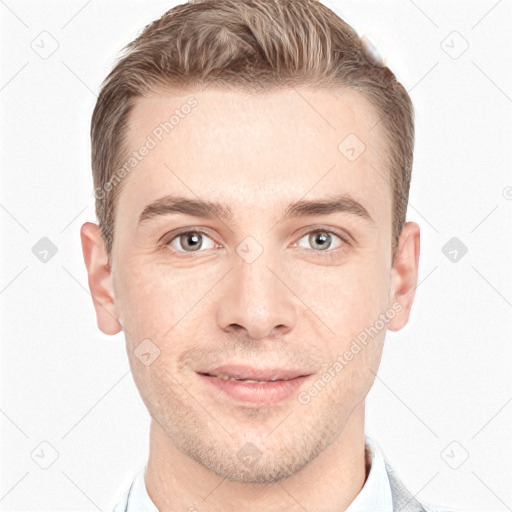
column 170, row 205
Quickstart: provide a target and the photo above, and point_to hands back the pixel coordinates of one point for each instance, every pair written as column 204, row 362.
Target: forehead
column 255, row 152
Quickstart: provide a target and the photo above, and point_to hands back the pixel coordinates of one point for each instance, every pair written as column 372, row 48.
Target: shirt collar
column 139, row 499
column 375, row 496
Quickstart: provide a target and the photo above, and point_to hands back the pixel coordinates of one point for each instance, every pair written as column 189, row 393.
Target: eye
column 190, row 241
column 322, row 240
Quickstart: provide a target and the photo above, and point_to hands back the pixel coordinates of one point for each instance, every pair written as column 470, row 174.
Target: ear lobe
column 405, row 274
column 99, row 278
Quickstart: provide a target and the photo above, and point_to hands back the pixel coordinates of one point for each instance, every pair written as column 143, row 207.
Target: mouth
column 252, row 374
column 227, row 377
column 260, row 386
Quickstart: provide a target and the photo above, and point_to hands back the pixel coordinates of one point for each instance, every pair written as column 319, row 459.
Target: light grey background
column 444, row 387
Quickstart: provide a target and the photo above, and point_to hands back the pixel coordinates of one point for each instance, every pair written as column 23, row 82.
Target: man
column 269, row 138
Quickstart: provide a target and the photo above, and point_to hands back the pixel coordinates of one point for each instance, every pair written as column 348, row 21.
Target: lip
column 249, row 372
column 255, row 392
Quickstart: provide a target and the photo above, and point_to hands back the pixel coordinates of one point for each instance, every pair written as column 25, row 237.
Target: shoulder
column 402, row 497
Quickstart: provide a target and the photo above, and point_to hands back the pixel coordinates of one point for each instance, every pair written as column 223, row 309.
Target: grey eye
column 190, row 241
column 320, row 240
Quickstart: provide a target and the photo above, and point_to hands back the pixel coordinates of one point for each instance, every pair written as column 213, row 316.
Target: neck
column 329, row 483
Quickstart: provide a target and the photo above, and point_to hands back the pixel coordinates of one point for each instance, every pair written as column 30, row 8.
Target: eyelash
column 328, row 253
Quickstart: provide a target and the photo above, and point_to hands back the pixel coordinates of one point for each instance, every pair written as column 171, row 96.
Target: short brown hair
column 253, row 45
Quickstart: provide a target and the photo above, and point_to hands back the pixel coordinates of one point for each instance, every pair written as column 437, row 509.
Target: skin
column 292, row 307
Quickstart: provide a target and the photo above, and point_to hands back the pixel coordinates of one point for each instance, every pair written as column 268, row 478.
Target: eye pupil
column 187, row 237
column 322, row 236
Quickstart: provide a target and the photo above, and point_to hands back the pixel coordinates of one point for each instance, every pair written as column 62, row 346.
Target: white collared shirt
column 375, row 496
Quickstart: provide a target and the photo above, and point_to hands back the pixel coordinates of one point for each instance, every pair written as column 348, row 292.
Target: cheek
column 142, row 301
column 347, row 298
column 151, row 303
column 156, row 301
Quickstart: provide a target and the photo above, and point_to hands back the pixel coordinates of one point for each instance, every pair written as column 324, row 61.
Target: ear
column 100, row 278
column 405, row 274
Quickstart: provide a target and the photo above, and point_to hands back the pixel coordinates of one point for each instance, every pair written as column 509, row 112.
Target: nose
column 257, row 300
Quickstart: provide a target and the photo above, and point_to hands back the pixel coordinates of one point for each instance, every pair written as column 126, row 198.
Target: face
column 286, row 270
